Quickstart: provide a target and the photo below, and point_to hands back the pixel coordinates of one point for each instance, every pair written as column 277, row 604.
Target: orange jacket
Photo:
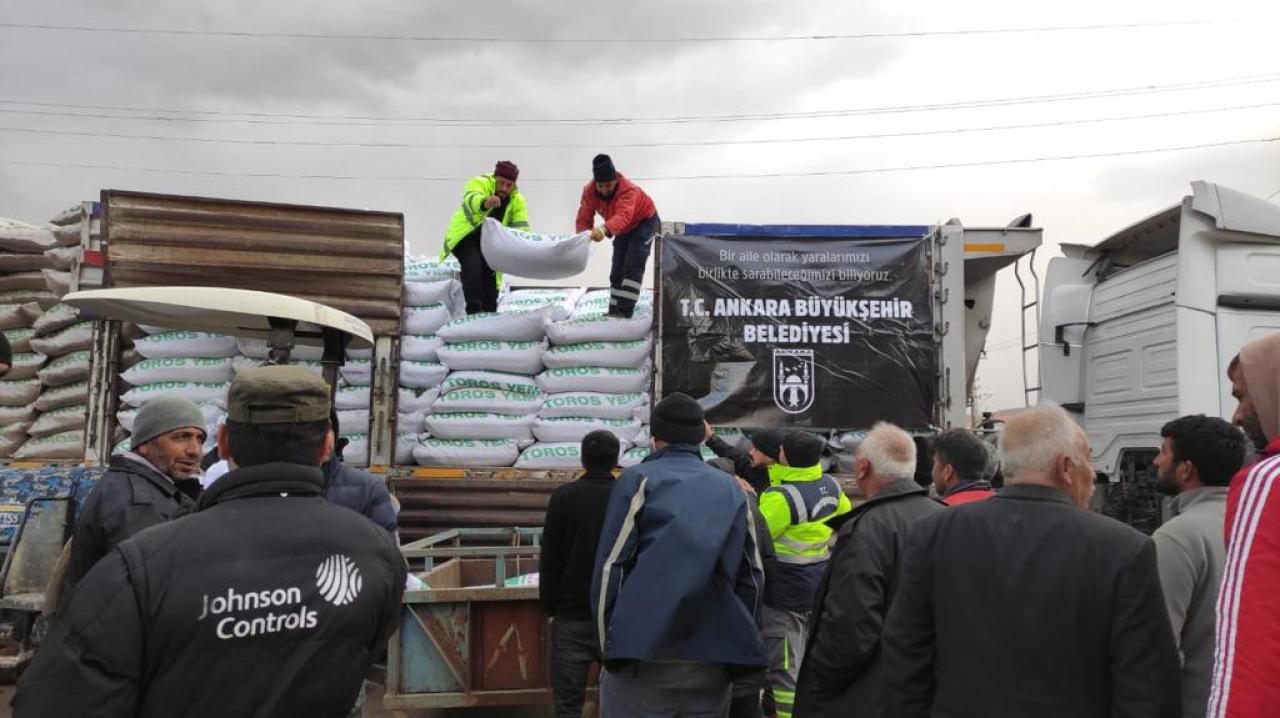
column 628, row 207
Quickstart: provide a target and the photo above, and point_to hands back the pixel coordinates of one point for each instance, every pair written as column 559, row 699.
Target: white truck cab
column 1139, row 328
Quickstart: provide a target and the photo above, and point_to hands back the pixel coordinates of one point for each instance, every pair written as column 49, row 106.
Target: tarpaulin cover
column 822, row 332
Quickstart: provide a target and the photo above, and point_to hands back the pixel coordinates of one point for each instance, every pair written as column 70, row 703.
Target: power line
column 690, row 143
column 660, row 178
column 220, row 116
column 596, row 40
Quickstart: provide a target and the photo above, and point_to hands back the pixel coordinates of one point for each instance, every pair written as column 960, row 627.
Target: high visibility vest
column 797, row 508
column 471, row 214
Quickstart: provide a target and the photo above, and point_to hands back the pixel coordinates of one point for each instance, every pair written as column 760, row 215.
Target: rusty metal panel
column 352, row 260
column 429, row 506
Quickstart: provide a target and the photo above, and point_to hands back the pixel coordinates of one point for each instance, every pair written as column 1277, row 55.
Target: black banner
column 815, row 332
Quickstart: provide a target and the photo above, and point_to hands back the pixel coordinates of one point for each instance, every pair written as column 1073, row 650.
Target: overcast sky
column 312, row 90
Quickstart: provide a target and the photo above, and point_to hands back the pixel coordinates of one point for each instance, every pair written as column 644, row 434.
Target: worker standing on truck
column 796, row 509
column 631, row 219
column 493, row 195
column 266, row 600
column 960, row 463
column 1244, row 676
column 570, row 533
column 154, row 482
column 677, row 579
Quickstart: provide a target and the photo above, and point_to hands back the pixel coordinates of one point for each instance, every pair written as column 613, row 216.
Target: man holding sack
column 492, row 195
column 631, row 219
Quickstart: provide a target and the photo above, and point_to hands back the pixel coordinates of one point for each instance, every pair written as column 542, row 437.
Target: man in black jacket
column 841, row 674
column 150, row 484
column 268, row 600
column 751, row 462
column 1027, row 604
column 575, row 515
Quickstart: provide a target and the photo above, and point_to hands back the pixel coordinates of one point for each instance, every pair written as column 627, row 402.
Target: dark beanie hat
column 802, row 449
column 506, row 170
column 602, row 169
column 678, row 419
column 768, row 442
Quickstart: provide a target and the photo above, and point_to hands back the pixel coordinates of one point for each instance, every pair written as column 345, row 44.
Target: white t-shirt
column 214, row 473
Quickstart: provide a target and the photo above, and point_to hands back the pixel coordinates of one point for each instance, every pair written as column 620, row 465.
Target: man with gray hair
column 1059, row 614
column 841, row 673
column 151, row 483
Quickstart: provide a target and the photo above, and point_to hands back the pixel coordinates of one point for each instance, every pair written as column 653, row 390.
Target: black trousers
column 630, row 253
column 573, row 649
column 479, row 281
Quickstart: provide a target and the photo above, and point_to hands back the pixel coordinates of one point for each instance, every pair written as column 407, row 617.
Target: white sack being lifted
column 533, row 255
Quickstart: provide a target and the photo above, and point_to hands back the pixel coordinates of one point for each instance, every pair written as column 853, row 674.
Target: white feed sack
column 205, row 371
column 533, row 255
column 477, row 425
column 606, row 380
column 487, row 401
column 353, row 421
column 69, row 395
column 493, row 355
column 430, row 268
column 63, row 258
column 425, row 320
column 67, row 445
column 24, row 262
column 17, row 415
column 68, row 418
column 420, row 347
column 565, row 455
column 357, row 451
column 421, row 374
column 357, row 372
column 12, row 436
column 19, row 316
column 19, row 339
column 596, row 303
column 26, row 238
column 411, row 422
column 490, row 380
column 405, row 444
column 77, row 337
column 66, row 369
column 43, row 297
column 512, row 327
column 593, row 404
column 22, row 280
column 352, row 397
column 66, row 235
column 612, row 354
column 634, row 456
column 187, row 344
column 466, row 452
column 241, row 364
column 258, row 349
column 60, row 317
column 19, row 392
column 416, row 400
column 195, row 391
column 600, row 328
column 365, row 353
column 440, row 291
column 574, row 428
column 559, row 303
column 25, row 365
column 57, row 281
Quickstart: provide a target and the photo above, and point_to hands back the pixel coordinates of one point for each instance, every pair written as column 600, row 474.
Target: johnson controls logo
column 338, row 580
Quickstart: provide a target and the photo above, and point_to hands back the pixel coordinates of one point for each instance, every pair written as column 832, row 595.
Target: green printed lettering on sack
column 72, row 358
column 574, row 371
column 209, row 362
column 176, row 336
column 615, row 371
column 573, row 400
column 469, row 394
column 623, row 399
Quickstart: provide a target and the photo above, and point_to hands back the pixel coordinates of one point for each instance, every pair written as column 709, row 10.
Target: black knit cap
column 802, row 449
column 678, row 419
column 602, row 169
column 768, row 442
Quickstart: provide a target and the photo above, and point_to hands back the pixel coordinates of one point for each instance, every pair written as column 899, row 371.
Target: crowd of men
column 746, row 586
column 750, row 586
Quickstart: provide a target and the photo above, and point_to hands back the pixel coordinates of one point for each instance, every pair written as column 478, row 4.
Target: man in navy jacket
column 678, row 578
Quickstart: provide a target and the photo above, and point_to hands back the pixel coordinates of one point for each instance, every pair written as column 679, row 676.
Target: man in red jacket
column 631, row 218
column 1248, row 637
